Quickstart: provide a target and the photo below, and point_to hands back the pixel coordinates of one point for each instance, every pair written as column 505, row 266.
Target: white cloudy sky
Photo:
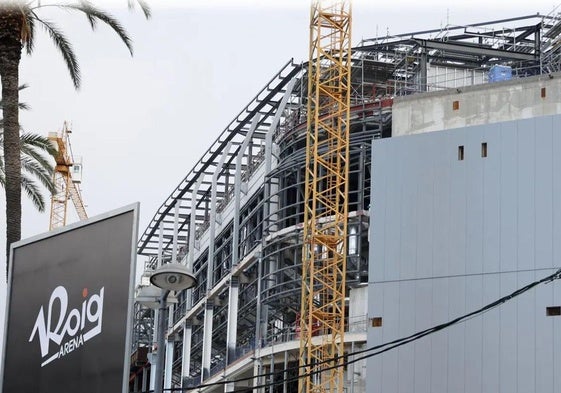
column 140, row 123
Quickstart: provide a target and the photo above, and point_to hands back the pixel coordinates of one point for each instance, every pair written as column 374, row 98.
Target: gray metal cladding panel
column 449, row 236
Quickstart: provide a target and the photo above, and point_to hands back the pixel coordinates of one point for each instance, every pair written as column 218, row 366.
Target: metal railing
column 191, row 382
column 356, row 324
column 243, row 351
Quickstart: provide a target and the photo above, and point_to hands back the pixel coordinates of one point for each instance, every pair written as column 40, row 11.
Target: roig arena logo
column 68, row 329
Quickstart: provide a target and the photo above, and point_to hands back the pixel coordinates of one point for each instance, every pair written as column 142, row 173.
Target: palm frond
column 28, row 31
column 39, row 158
column 41, row 173
column 33, row 192
column 29, row 165
column 143, row 6
column 95, row 14
column 39, row 150
column 65, row 48
column 39, row 141
column 24, row 105
column 92, row 21
column 34, row 164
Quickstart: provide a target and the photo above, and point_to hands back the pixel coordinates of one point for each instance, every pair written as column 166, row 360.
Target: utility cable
column 379, row 349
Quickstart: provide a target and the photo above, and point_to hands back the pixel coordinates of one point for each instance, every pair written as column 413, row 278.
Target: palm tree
column 18, row 21
column 35, row 164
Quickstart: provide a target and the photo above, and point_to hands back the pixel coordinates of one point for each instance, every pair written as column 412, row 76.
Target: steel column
column 232, row 327
column 285, row 374
column 158, row 378
column 423, row 74
column 269, row 156
column 169, row 363
column 144, row 379
column 186, row 358
column 238, row 189
column 161, row 245
column 212, row 228
column 207, row 340
column 175, row 231
column 192, row 233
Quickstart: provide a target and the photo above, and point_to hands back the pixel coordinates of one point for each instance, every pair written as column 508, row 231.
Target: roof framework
column 263, row 104
column 529, row 44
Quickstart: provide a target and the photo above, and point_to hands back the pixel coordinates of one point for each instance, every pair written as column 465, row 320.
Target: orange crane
column 67, row 176
column 324, row 250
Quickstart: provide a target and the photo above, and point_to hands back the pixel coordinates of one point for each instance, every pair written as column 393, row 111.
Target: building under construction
column 236, row 219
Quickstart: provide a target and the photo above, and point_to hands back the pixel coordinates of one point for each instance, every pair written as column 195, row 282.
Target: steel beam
column 475, row 50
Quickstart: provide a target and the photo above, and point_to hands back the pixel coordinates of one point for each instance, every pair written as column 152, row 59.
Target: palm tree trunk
column 10, row 54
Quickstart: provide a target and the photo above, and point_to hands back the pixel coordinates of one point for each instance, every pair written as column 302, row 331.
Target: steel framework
column 326, row 189
column 253, row 219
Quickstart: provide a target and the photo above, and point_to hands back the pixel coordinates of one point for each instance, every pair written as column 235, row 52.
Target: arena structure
column 236, row 218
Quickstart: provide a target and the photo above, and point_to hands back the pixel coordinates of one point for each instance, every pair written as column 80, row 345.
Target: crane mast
column 324, row 252
column 65, row 185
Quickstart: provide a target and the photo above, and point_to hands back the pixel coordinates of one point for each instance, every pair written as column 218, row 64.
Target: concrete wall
column 451, row 236
column 358, row 307
column 476, row 105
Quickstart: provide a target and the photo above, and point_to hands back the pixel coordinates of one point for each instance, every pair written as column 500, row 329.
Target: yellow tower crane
column 67, row 176
column 324, row 253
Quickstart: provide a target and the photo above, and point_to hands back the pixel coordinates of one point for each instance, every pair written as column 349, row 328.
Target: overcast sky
column 140, row 123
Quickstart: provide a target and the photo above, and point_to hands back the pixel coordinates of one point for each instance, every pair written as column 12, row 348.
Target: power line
column 426, row 278
column 379, row 349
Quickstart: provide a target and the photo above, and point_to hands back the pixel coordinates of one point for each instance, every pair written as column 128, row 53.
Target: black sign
column 69, row 308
